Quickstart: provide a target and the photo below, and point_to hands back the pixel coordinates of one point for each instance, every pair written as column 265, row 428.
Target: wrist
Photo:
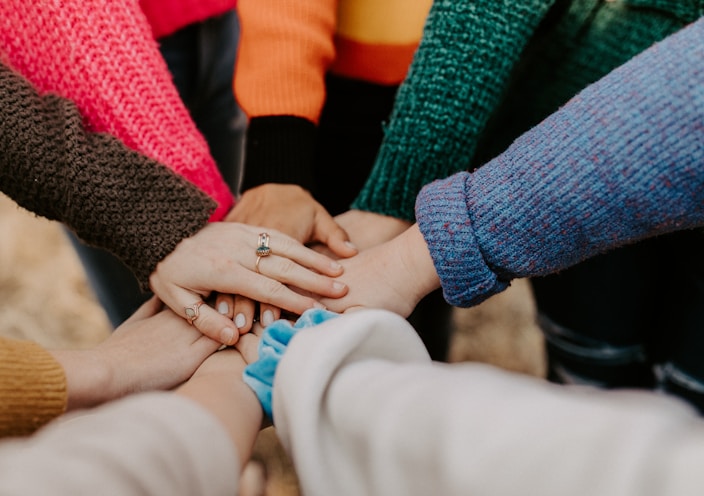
column 368, row 229
column 88, row 378
column 231, row 402
column 415, row 256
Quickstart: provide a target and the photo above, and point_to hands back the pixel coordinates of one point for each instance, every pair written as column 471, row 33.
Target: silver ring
column 263, row 249
column 192, row 312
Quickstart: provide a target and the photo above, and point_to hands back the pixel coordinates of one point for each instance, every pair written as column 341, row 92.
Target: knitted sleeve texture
column 285, row 50
column 623, row 160
column 111, row 196
column 167, row 16
column 303, row 42
column 101, row 54
column 462, row 64
column 280, row 149
column 32, row 387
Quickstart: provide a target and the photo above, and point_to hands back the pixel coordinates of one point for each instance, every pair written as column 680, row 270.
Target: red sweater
column 102, row 55
column 168, row 16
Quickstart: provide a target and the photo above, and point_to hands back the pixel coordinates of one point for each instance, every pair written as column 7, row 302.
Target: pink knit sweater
column 102, row 55
column 167, row 16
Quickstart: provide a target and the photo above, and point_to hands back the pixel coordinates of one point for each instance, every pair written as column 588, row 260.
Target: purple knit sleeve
column 622, row 161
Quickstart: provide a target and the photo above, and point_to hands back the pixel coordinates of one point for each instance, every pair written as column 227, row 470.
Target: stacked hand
column 292, row 210
column 154, row 349
column 217, row 386
column 223, row 258
column 394, row 275
column 293, row 277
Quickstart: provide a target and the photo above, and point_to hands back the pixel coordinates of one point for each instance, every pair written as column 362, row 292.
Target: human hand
column 153, row 349
column 217, row 386
column 242, row 309
column 292, row 210
column 394, row 275
column 367, row 229
column 222, row 257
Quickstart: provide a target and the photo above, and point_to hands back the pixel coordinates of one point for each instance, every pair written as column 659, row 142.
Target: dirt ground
column 44, row 297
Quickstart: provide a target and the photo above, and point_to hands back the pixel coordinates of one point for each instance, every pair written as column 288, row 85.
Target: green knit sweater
column 488, row 70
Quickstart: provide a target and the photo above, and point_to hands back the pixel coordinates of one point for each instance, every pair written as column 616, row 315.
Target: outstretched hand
column 218, row 387
column 367, row 229
column 394, row 275
column 153, row 349
column 290, row 209
column 222, row 257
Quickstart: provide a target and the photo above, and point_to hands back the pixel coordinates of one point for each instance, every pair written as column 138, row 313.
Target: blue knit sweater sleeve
column 621, row 161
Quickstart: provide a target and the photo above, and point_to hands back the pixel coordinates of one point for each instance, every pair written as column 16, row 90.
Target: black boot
column 575, row 359
column 675, row 381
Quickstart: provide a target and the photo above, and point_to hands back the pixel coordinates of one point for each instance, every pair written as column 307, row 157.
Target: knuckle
column 272, row 287
column 287, row 267
column 207, row 324
column 275, row 291
column 283, row 242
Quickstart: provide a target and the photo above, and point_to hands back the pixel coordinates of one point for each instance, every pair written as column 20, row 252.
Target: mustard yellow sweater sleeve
column 32, row 387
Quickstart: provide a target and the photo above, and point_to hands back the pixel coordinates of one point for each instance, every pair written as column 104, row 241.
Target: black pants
column 630, row 318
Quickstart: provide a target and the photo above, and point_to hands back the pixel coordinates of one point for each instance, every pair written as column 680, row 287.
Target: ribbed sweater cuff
column 441, row 214
column 280, row 149
column 32, row 388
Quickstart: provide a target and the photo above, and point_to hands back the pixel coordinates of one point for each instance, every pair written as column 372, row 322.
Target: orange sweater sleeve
column 286, row 47
column 32, row 387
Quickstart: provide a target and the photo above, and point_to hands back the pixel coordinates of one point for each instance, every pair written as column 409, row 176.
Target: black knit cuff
column 279, row 149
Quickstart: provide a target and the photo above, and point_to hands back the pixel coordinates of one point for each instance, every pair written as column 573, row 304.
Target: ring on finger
column 263, row 249
column 192, row 312
column 256, row 264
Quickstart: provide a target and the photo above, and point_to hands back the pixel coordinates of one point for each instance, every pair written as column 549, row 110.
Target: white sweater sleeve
column 147, row 444
column 363, row 411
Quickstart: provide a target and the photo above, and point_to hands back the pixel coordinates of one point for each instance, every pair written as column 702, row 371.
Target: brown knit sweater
column 110, row 196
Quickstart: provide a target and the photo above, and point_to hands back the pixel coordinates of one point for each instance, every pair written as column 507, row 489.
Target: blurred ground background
column 44, row 297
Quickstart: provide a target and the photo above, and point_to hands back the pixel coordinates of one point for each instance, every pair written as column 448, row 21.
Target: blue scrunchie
column 259, row 375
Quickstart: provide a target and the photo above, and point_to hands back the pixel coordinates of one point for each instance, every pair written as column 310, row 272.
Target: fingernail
column 350, row 244
column 267, row 318
column 226, row 335
column 335, row 265
column 337, row 285
column 223, row 307
column 317, row 304
column 240, row 320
